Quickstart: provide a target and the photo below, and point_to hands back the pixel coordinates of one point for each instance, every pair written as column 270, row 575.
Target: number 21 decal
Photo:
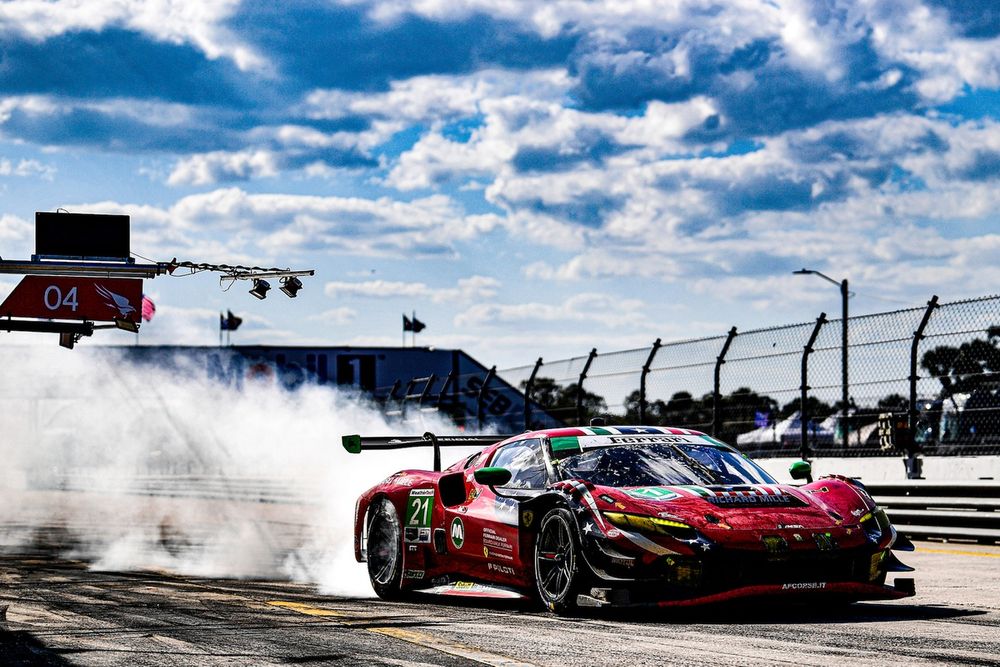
column 419, row 506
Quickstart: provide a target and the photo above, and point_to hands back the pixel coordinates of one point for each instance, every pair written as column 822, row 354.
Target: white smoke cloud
column 131, row 466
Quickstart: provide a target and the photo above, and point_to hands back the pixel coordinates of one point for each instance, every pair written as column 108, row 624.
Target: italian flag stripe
column 567, row 444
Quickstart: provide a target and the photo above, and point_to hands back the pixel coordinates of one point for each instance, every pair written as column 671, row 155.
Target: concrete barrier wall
column 891, row 468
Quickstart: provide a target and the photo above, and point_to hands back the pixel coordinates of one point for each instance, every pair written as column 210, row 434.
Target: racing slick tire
column 385, row 550
column 558, row 561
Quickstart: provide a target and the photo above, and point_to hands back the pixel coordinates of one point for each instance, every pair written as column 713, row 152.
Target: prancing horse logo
column 116, row 301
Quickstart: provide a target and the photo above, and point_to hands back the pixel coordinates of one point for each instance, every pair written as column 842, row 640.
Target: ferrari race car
column 619, row 516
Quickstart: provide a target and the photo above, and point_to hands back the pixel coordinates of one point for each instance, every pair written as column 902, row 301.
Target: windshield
column 662, row 465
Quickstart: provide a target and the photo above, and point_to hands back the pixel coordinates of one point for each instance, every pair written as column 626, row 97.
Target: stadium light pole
column 844, row 295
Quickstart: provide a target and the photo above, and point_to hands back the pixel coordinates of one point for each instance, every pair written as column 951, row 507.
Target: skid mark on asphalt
column 410, row 636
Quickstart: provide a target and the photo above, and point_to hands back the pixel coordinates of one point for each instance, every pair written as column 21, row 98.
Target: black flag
column 414, row 325
column 230, row 323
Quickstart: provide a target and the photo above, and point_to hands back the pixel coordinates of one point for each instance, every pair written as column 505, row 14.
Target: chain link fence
column 773, row 391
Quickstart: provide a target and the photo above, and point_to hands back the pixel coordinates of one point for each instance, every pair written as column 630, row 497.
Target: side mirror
column 492, row 476
column 801, row 470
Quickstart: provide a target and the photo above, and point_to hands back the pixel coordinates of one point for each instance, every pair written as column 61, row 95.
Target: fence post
column 406, row 396
column 579, row 387
column 482, row 395
column 642, row 380
column 528, row 387
column 391, row 398
column 918, row 336
column 803, row 412
column 444, row 387
column 717, row 383
column 431, row 379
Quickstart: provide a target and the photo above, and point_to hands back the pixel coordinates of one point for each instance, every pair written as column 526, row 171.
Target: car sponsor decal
column 416, row 535
column 658, row 493
column 610, row 437
column 472, row 589
column 804, row 586
column 417, row 524
column 418, row 508
column 457, row 532
column 761, row 495
column 502, row 569
column 566, row 444
column 527, row 518
column 496, row 546
column 413, row 574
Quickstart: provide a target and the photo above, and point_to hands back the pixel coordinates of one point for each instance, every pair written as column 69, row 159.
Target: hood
column 754, row 507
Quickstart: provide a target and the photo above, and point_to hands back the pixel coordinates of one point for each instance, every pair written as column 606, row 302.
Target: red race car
column 619, row 516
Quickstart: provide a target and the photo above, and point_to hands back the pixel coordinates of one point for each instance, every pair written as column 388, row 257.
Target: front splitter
column 853, row 591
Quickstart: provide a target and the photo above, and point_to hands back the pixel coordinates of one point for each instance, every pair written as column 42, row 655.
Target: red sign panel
column 69, row 298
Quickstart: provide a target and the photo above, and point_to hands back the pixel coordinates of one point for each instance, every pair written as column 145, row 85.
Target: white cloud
column 467, row 289
column 208, row 168
column 580, row 307
column 27, row 168
column 435, row 99
column 518, row 123
column 254, row 228
column 15, row 229
column 200, row 24
column 342, row 315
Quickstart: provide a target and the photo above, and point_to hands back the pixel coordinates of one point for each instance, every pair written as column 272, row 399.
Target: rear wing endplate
column 355, row 444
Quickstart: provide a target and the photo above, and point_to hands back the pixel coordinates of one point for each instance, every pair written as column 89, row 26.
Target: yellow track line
column 449, row 647
column 957, row 552
column 306, row 609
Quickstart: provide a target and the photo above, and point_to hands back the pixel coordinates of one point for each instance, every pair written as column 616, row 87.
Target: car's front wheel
column 557, row 561
column 384, row 550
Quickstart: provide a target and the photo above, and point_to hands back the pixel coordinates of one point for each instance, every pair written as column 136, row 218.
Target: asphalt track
column 59, row 612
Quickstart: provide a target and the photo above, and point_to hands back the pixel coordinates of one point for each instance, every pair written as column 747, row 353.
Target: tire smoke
column 130, row 466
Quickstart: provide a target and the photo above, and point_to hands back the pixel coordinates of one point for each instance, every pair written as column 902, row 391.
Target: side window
column 471, row 461
column 526, row 463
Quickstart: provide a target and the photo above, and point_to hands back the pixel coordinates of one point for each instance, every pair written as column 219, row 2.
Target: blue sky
column 533, row 178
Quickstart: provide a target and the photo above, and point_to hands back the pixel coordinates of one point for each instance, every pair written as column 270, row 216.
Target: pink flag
column 148, row 308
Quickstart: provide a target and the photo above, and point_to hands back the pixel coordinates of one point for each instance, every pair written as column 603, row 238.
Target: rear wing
column 355, row 444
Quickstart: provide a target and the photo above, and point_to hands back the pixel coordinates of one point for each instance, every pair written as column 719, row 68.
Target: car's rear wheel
column 385, row 550
column 557, row 561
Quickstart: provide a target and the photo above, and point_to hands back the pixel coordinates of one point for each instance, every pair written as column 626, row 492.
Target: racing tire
column 384, row 550
column 558, row 563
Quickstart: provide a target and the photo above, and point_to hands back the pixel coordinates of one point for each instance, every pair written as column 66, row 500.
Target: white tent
column 789, row 430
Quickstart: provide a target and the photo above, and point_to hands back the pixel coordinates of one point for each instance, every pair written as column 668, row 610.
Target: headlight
column 874, row 523
column 651, row 525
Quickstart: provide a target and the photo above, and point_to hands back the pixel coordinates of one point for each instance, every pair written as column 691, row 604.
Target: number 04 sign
column 68, row 298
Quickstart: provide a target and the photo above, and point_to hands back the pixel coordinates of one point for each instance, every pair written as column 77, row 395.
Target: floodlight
column 260, row 288
column 67, row 340
column 127, row 325
column 291, row 286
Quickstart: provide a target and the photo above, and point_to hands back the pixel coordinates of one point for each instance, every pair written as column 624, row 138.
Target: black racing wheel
column 557, row 561
column 385, row 550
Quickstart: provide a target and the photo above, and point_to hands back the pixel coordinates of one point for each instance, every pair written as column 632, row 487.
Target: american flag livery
column 578, row 489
